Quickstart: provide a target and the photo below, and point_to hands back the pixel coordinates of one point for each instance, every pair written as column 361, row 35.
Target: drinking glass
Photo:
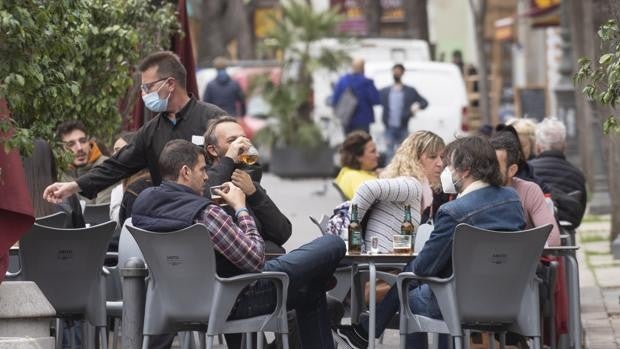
column 250, row 156
column 402, row 244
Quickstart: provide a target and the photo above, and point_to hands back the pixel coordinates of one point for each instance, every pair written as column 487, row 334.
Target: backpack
column 346, row 107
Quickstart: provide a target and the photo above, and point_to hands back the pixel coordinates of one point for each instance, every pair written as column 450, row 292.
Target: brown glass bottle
column 407, row 228
column 355, row 232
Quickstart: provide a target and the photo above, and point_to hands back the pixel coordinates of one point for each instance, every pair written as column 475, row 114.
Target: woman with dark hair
column 359, row 160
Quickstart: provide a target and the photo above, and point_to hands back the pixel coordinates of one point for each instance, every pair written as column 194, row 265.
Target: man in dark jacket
column 224, row 91
column 225, row 140
column 567, row 182
column 399, row 103
column 177, row 203
column 179, row 116
column 366, row 94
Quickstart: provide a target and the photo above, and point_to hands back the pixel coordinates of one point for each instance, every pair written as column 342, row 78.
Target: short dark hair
column 400, row 66
column 69, row 126
column 352, row 148
column 507, row 141
column 176, row 154
column 168, row 65
column 475, row 154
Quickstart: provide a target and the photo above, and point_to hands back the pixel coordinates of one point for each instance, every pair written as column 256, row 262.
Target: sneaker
column 351, row 336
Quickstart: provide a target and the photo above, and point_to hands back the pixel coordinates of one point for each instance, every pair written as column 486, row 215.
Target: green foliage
column 74, row 59
column 602, row 80
column 294, row 36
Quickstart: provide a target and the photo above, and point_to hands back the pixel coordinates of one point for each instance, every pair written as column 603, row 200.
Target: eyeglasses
column 71, row 144
column 147, row 87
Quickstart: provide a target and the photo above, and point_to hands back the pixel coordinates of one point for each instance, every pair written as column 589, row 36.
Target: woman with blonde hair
column 407, row 180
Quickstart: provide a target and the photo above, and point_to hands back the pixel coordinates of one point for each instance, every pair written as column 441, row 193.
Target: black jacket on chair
column 563, row 178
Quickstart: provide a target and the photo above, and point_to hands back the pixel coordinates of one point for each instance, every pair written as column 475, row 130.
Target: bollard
column 134, row 296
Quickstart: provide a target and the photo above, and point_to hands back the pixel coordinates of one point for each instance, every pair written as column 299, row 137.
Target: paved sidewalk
column 599, row 284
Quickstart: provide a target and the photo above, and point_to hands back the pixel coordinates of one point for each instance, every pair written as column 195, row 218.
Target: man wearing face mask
column 472, row 172
column 179, row 116
column 399, row 103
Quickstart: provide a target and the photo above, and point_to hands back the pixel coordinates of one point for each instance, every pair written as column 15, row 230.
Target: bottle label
column 356, row 239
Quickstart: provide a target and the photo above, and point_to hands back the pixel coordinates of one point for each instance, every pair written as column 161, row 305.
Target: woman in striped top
column 405, row 181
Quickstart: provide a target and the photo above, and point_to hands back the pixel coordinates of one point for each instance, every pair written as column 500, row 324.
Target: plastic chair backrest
column 66, row 265
column 492, row 270
column 56, row 220
column 182, row 276
column 97, row 214
column 127, row 245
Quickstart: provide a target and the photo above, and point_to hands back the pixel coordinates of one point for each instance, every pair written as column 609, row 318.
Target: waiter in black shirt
column 181, row 116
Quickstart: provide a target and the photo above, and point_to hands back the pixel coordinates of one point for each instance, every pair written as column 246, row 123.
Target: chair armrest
column 426, row 279
column 10, row 275
column 246, row 279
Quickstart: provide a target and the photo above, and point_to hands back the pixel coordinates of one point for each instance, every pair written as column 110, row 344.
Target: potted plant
column 298, row 148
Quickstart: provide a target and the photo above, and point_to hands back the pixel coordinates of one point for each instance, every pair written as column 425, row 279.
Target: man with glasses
column 86, row 155
column 179, row 116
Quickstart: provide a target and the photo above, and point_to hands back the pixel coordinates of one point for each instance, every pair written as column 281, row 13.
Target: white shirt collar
column 473, row 187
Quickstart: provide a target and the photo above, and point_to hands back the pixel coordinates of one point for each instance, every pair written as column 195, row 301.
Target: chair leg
column 103, row 334
column 220, row 339
column 502, row 340
column 248, row 340
column 458, row 342
column 491, row 339
column 59, row 335
column 467, row 341
column 536, row 343
column 259, row 340
column 403, row 341
column 210, row 342
column 72, row 337
column 201, row 339
column 285, row 341
column 117, row 332
column 145, row 342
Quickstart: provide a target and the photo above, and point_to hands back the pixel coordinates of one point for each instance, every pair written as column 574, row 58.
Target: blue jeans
column 394, row 136
column 309, row 269
column 422, row 302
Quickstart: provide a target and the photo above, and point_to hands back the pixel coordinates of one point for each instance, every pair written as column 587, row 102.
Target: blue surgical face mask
column 155, row 104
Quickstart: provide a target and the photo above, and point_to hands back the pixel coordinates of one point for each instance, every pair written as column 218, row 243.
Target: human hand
column 243, row 180
column 57, row 192
column 237, row 147
column 415, row 107
column 234, row 196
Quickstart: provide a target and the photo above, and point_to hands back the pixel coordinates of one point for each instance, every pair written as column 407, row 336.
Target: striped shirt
column 241, row 244
column 384, row 200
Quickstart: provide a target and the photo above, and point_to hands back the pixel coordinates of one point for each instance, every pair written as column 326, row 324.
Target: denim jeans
column 309, row 268
column 422, row 302
column 394, row 136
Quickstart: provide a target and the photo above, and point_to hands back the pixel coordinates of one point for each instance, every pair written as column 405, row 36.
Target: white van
column 441, row 84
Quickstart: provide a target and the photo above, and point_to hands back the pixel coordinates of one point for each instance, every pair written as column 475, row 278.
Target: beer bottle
column 355, row 232
column 406, row 228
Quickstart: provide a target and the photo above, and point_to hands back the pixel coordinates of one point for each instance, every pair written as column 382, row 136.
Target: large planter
column 292, row 162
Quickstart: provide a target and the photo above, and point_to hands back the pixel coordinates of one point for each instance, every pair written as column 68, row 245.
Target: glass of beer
column 250, row 156
column 401, row 244
column 217, row 198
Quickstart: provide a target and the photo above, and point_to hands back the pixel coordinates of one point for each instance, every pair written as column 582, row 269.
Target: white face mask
column 447, row 184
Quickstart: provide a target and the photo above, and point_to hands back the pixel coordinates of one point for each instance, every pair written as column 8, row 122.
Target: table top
column 379, row 257
column 560, row 250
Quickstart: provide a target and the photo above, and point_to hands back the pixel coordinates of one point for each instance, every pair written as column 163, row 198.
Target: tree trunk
column 479, row 12
column 416, row 19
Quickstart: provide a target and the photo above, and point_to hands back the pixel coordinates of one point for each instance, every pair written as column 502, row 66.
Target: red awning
column 16, row 212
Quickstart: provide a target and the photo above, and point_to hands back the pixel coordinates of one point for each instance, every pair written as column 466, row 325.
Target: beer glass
column 250, row 156
column 402, row 244
column 217, row 198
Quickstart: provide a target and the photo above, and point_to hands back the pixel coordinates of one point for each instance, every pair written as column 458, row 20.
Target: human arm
column 417, row 98
column 338, row 90
column 541, row 214
column 208, row 95
column 372, row 93
column 240, row 244
column 116, row 197
column 437, row 251
column 406, row 190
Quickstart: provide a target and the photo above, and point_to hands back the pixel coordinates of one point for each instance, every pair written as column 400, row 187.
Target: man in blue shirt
column 399, row 103
column 472, row 172
column 366, row 93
